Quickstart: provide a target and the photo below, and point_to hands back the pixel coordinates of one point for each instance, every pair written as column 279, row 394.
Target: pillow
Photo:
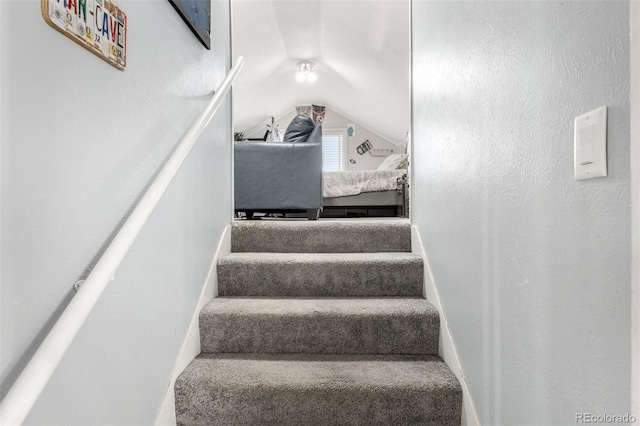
column 394, row 162
column 303, row 109
column 318, row 114
column 299, row 129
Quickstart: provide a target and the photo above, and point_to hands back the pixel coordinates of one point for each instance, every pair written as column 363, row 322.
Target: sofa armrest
column 278, row 175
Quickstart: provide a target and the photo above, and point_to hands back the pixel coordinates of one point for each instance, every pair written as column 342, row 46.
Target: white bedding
column 342, row 184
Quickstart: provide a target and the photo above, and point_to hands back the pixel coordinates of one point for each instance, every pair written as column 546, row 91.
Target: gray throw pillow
column 299, row 129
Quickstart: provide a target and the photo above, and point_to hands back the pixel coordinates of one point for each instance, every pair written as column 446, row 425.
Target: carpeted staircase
column 319, row 323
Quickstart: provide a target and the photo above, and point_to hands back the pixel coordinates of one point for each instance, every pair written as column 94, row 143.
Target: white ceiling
column 360, row 50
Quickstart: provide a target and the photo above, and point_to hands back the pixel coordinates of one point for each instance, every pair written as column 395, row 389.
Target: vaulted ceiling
column 361, row 55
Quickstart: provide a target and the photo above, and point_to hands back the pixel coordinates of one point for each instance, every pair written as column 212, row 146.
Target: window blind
column 332, row 152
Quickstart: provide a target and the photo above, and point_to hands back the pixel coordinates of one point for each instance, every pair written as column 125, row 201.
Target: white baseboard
column 191, row 344
column 447, row 348
column 634, row 11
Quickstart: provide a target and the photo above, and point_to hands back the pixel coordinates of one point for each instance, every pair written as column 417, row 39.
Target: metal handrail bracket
column 25, row 391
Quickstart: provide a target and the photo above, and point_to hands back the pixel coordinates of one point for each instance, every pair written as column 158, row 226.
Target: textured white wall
column 532, row 267
column 80, row 141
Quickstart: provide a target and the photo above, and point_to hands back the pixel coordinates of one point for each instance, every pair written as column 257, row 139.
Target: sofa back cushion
column 299, row 129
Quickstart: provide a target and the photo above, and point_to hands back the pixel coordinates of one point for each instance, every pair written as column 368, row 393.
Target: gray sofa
column 279, row 176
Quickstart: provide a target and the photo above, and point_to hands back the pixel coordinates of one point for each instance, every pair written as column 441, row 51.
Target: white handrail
column 25, row 391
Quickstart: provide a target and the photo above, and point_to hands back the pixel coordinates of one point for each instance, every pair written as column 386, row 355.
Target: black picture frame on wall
column 197, row 15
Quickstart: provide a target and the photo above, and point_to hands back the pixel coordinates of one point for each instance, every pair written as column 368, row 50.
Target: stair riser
column 320, row 333
column 322, row 238
column 321, row 279
column 323, row 407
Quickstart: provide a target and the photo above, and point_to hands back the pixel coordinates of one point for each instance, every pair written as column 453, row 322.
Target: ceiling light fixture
column 305, row 72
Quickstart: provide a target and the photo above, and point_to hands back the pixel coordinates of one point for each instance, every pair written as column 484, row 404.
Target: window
column 333, row 150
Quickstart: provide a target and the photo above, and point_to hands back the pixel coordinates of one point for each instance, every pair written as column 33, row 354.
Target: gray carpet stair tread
column 320, row 325
column 365, row 236
column 320, row 274
column 259, row 389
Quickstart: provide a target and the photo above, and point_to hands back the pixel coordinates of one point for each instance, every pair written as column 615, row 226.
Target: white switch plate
column 590, row 144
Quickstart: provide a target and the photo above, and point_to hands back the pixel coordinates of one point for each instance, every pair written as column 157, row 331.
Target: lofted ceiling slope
column 361, row 55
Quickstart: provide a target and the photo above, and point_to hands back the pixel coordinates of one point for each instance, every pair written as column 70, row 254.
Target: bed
column 366, row 190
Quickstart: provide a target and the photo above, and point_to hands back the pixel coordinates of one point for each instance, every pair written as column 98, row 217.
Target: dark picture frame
column 197, row 15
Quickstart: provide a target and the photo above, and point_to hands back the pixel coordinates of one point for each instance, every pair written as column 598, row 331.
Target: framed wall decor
column 99, row 26
column 197, row 15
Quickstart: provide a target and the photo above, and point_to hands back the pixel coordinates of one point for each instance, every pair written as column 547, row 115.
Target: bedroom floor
column 334, row 213
column 334, row 219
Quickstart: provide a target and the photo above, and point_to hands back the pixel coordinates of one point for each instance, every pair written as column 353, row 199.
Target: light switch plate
column 590, row 144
